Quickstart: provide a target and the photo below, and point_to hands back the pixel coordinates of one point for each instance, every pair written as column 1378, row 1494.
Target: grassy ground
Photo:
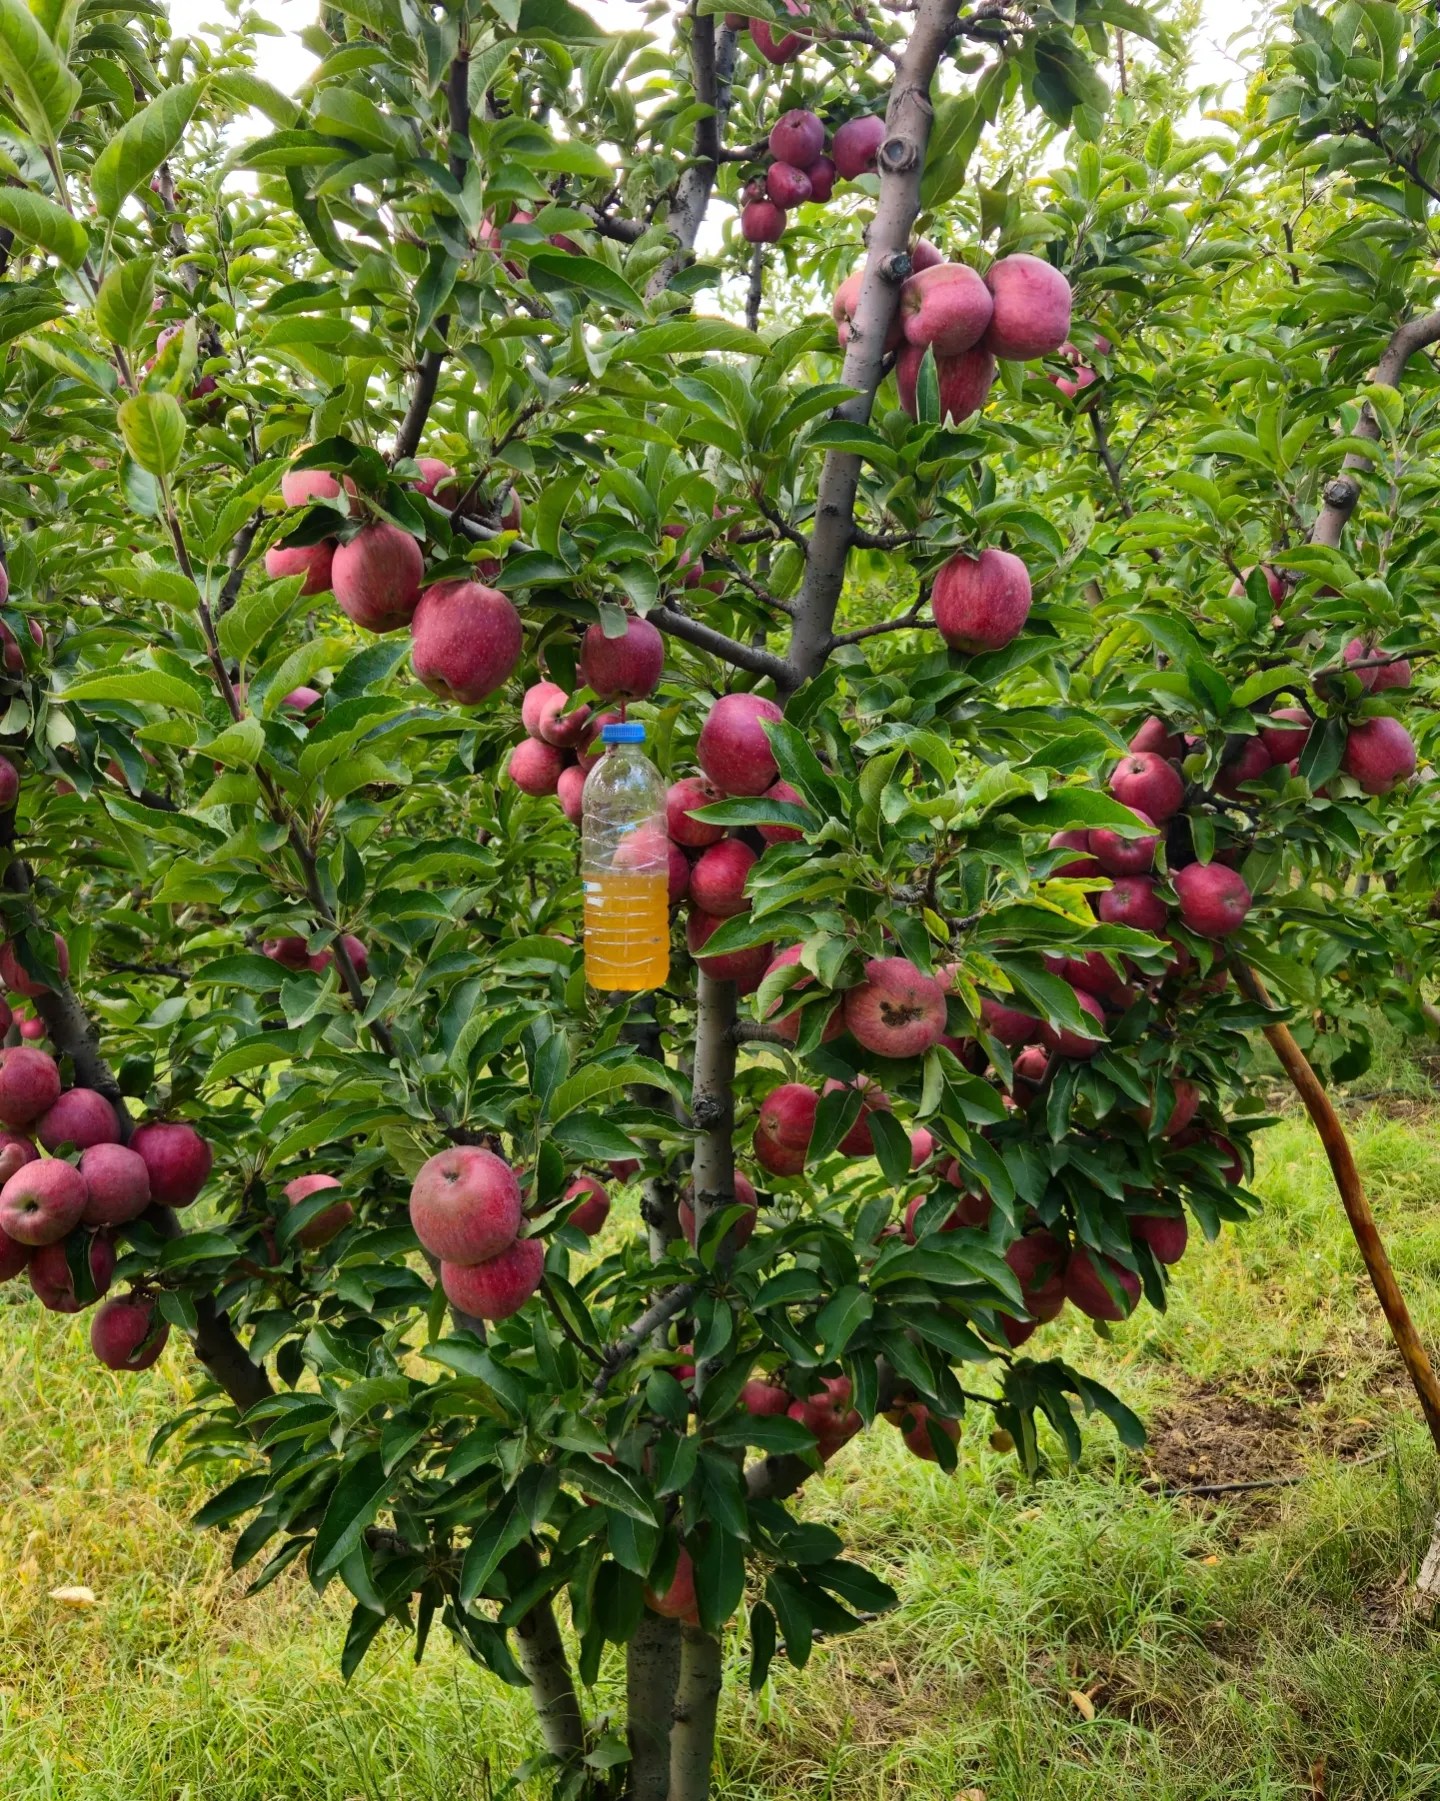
column 1257, row 1649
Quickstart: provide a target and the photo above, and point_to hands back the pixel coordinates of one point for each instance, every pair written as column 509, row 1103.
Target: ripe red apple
column 843, row 308
column 127, row 1333
column 594, row 1205
column 1166, row 1234
column 678, row 874
column 682, row 798
column 536, row 768
column 741, row 1232
column 1148, row 784
column 762, row 222
column 31, row 1028
column 915, row 1420
column 971, row 1209
column 312, row 561
column 784, row 1127
column 354, row 950
column 177, row 1157
column 15, row 1151
column 858, row 1141
column 947, row 306
column 1032, row 308
column 1285, row 742
column 465, row 1205
column 717, row 882
column 465, row 641
column 498, row 1287
column 1133, row 900
column 42, row 1201
column 1250, row 762
column 1038, row 1259
column 625, row 668
column 1274, row 581
column 746, row 969
column 1031, row 1067
column 677, row 1602
column 789, row 1026
column 788, row 45
column 1156, row 737
column 326, row 1225
column 298, row 487
column 1085, row 1286
column 855, row 144
column 539, row 696
column 433, row 474
column 1124, row 856
column 1090, row 972
column 764, row 1400
column 1382, row 675
column 29, row 1084
column 79, row 1117
column 922, row 1146
column 9, row 784
column 797, row 137
column 783, row 834
column 1379, row 753
column 1008, row 1024
column 1065, row 1043
column 1074, row 867
column 964, row 381
column 50, row 1277
column 1213, row 900
column 117, row 1185
column 981, row 603
column 377, row 577
column 291, row 951
column 301, row 700
column 566, row 731
column 733, row 750
column 13, row 1257
column 592, row 743
column 897, row 1010
column 828, row 1414
column 821, row 175
column 17, row 980
column 569, row 790
column 1186, row 1105
column 786, row 186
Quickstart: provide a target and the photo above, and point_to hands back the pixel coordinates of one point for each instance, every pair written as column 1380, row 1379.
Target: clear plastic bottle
column 625, row 863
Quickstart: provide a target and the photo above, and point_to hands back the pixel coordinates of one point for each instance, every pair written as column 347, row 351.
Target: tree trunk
column 697, row 1699
column 652, row 1674
column 540, row 1652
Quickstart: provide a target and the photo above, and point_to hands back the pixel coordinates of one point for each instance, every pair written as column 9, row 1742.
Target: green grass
column 1234, row 1652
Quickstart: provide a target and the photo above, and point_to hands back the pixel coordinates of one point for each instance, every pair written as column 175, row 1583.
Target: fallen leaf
column 1212, row 1558
column 1082, row 1704
column 74, row 1597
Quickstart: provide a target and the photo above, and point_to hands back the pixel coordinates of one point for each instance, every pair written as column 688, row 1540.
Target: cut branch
column 901, row 161
column 1342, row 495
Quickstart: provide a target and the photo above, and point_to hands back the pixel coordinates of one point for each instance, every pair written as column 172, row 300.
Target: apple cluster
column 59, row 1217
column 466, row 1211
column 801, row 169
column 1017, row 311
column 465, row 638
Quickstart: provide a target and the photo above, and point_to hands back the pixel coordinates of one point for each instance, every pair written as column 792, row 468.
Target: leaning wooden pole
column 1357, row 1207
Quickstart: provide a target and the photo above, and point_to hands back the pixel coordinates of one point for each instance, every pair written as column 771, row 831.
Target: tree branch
column 901, row 161
column 712, row 1106
column 1342, row 495
column 712, row 61
column 752, row 657
column 632, row 1340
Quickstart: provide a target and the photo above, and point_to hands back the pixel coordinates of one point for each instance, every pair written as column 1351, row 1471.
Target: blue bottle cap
column 625, row 731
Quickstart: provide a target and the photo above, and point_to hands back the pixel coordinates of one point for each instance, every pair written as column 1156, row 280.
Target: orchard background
column 1038, row 637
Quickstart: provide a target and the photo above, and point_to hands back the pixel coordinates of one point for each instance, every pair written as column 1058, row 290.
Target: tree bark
column 712, row 63
column 713, row 1102
column 652, row 1675
column 1357, row 1206
column 697, row 1700
column 901, row 162
column 1342, row 495
column 540, row 1652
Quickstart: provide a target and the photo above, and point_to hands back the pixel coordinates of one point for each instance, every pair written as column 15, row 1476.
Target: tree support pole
column 1357, row 1207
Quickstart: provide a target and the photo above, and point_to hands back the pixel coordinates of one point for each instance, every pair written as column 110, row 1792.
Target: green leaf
column 40, row 221
column 500, row 1533
column 146, row 686
column 123, row 304
column 354, row 1503
column 686, row 337
column 35, row 79
column 552, row 270
column 153, row 427
column 140, row 146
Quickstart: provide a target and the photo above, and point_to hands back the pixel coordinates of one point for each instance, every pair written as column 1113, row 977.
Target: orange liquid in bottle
column 627, row 931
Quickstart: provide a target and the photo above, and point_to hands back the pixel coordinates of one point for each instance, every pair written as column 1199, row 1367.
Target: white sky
column 285, row 62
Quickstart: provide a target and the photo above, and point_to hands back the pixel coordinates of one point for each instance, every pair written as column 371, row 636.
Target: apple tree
column 1021, row 638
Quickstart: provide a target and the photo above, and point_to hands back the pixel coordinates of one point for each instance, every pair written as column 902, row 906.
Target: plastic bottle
column 626, row 867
